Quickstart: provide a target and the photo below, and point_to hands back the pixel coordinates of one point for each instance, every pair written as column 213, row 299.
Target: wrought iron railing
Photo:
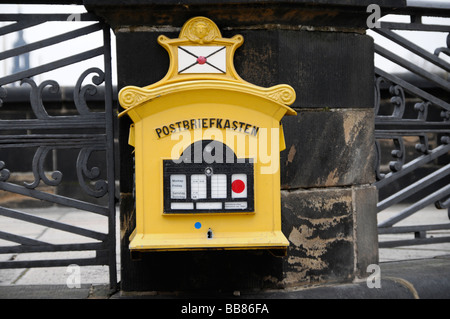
column 412, row 131
column 60, row 144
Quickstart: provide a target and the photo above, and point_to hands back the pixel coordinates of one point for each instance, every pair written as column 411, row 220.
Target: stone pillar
column 327, row 170
column 328, row 203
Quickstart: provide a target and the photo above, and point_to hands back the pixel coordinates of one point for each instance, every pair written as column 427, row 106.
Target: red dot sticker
column 238, row 186
column 201, row 60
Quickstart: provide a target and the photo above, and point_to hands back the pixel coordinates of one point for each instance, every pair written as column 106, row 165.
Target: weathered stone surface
column 333, row 13
column 327, row 149
column 319, row 226
column 366, row 231
column 312, row 63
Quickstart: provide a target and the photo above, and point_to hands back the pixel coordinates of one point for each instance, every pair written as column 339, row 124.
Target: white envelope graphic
column 201, row 59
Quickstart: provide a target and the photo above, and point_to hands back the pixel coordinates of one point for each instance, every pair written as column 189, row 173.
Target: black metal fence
column 412, row 131
column 69, row 147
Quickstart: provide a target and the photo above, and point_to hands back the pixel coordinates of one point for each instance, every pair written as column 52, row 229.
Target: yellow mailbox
column 207, row 147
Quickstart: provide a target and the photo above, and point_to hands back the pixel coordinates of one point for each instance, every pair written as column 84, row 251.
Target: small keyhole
column 209, row 234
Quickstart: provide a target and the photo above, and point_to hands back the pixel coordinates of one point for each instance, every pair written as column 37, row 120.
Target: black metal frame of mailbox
column 193, row 162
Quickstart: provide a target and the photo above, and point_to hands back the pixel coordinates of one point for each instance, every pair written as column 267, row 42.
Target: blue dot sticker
column 198, row 225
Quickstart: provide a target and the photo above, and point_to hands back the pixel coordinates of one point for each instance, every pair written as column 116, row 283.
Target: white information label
column 236, row 205
column 178, row 186
column 198, row 186
column 219, row 186
column 215, row 205
column 182, row 206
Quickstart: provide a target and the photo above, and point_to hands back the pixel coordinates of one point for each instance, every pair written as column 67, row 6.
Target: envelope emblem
column 201, row 59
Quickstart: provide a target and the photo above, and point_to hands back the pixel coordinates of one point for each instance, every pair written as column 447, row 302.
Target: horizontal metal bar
column 45, row 17
column 57, row 144
column 50, row 41
column 412, row 242
column 58, row 141
column 414, row 164
column 411, row 124
column 96, row 121
column 413, row 89
column 386, row 133
column 414, row 188
column 50, row 137
column 101, row 260
column 414, row 26
column 412, row 229
column 56, row 199
column 427, row 4
column 22, row 249
column 18, row 26
column 424, row 202
column 20, row 239
column 52, row 66
column 413, row 48
column 412, row 67
column 7, row 212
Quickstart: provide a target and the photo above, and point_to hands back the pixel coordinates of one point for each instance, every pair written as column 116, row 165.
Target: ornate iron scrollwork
column 423, row 147
column 398, row 98
column 378, row 81
column 445, row 115
column 4, row 173
column 378, row 173
column 80, row 92
column 36, row 96
column 100, row 186
column 422, row 110
column 443, row 203
column 54, row 178
column 2, row 95
column 39, row 172
column 443, row 49
column 398, row 154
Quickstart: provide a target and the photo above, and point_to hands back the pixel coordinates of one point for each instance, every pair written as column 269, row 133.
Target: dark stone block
column 326, row 69
column 366, row 230
column 319, row 226
column 328, row 149
column 141, row 61
column 346, row 14
column 212, row 270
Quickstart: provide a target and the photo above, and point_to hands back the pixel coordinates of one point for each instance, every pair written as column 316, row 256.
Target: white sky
column 68, row 75
column 425, row 39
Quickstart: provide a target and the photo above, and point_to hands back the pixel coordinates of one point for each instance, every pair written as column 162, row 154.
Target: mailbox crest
column 200, row 57
column 202, row 137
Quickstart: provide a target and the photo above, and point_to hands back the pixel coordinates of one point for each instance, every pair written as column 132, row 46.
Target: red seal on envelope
column 201, row 60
